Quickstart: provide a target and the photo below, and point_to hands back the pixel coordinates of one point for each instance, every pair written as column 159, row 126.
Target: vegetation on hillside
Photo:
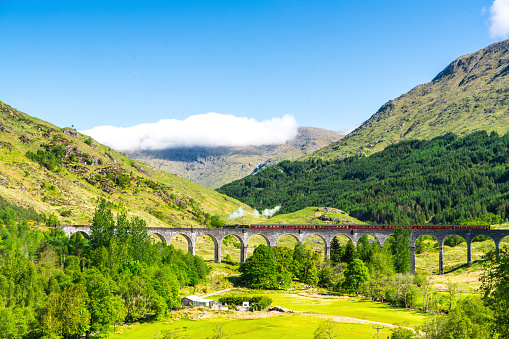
column 315, row 215
column 53, row 286
column 10, row 213
column 60, row 171
column 470, row 94
column 440, row 181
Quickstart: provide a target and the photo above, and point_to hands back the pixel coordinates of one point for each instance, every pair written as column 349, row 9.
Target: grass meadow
column 290, row 326
column 310, row 312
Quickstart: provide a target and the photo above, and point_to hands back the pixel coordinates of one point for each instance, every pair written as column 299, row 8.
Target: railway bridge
column 272, row 237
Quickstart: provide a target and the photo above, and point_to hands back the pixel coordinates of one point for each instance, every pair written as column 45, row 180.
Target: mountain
column 214, row 167
column 445, row 180
column 470, row 94
column 405, row 180
column 60, row 171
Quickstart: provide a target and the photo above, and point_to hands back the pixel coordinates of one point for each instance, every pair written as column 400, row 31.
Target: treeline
column 10, row 213
column 52, row 286
column 440, row 181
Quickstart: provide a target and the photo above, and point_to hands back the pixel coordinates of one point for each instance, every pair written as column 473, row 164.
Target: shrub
column 256, row 302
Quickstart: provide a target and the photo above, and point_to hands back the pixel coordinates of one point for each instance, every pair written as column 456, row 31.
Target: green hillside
column 469, row 95
column 443, row 180
column 58, row 170
column 315, row 215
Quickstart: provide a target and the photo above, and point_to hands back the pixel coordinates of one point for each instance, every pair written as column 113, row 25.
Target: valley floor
column 356, row 318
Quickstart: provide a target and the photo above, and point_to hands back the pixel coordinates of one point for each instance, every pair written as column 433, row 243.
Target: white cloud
column 499, row 18
column 269, row 213
column 211, row 129
column 256, row 214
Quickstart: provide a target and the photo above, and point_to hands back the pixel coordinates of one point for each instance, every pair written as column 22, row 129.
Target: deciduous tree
column 495, row 289
column 260, row 269
column 355, row 276
column 328, row 329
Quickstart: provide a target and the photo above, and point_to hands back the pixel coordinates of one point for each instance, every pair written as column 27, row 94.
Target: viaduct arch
column 272, row 237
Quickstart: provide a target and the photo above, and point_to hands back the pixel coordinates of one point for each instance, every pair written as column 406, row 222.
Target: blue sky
column 330, row 64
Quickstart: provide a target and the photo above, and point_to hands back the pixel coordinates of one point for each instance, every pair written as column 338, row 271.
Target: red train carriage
column 353, row 226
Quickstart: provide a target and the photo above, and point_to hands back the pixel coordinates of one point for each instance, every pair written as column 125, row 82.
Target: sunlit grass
column 283, row 326
column 349, row 307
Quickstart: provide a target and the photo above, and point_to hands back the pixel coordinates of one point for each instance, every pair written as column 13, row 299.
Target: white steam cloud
column 210, row 130
column 270, row 212
column 239, row 213
column 499, row 18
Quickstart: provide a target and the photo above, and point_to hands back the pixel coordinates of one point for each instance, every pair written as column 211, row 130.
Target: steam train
column 351, row 226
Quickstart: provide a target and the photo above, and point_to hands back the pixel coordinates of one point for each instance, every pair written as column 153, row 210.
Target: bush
column 45, row 158
column 256, row 302
column 453, row 240
column 402, row 333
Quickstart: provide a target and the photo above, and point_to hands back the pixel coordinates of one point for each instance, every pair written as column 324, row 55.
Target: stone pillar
column 243, row 254
column 217, row 253
column 192, row 242
column 326, row 249
column 412, row 257
column 497, row 248
column 440, row 258
column 469, row 252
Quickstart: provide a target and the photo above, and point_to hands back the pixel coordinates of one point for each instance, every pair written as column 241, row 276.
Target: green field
column 283, row 326
column 201, row 323
column 349, row 307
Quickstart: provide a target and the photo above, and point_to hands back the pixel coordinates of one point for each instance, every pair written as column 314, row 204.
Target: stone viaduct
column 272, row 237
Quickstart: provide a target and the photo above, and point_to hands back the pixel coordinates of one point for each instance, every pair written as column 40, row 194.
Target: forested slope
column 443, row 180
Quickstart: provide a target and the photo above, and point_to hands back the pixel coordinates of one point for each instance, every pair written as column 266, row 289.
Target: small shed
column 195, row 301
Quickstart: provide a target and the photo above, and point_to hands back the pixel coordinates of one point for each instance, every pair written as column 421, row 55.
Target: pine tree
column 299, row 258
column 349, row 252
column 335, row 251
column 400, row 246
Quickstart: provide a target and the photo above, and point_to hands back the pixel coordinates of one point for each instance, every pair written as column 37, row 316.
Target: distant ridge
column 470, row 94
column 215, row 166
